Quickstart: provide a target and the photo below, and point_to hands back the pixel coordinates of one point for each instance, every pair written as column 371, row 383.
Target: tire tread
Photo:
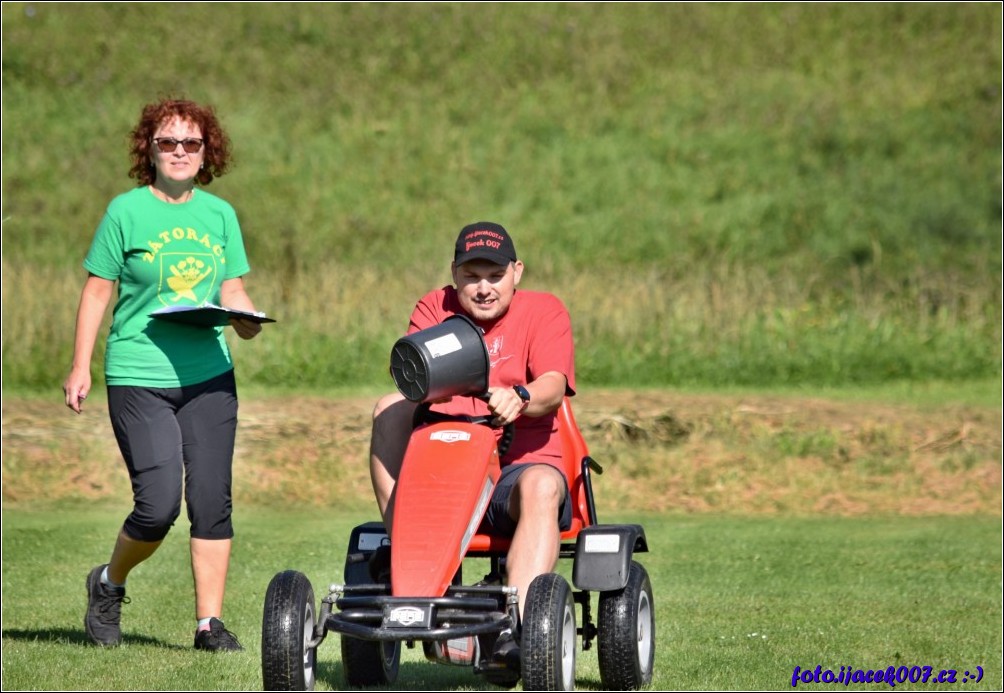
column 620, row 668
column 282, row 632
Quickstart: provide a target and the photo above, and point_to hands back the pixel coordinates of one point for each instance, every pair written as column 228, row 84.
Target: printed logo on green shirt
column 190, row 276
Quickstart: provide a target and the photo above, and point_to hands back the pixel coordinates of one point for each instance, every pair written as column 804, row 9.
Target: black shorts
column 497, row 520
column 176, row 440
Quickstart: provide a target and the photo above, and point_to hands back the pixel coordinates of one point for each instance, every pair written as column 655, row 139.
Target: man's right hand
column 505, row 405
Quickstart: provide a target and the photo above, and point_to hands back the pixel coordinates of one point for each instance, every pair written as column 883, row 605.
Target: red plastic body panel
column 574, row 450
column 448, row 469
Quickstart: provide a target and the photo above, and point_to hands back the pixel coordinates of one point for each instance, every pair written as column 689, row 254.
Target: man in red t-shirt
column 529, row 339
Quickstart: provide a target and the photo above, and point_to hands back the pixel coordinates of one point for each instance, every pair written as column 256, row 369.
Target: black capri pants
column 173, row 440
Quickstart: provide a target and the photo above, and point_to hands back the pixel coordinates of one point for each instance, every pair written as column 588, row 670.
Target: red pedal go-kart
column 447, row 477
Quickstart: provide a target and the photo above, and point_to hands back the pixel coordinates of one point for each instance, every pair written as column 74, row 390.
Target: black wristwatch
column 523, row 393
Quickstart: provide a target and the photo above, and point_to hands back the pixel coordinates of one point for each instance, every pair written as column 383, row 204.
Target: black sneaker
column 503, row 666
column 506, row 650
column 217, row 638
column 104, row 610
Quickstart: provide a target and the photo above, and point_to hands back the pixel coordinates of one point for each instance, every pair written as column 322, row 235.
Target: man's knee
column 392, row 417
column 541, row 487
column 392, row 421
column 387, row 406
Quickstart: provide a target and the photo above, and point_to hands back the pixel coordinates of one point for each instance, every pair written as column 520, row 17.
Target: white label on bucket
column 441, row 346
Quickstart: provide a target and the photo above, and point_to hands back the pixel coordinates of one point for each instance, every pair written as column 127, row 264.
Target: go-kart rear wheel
column 547, row 644
column 370, row 663
column 288, row 662
column 626, row 633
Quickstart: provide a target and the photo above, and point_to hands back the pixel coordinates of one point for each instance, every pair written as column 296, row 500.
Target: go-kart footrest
column 473, row 610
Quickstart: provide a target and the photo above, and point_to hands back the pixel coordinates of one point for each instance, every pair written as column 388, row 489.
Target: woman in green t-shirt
column 172, row 397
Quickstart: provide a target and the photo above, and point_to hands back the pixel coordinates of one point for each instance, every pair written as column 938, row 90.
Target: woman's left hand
column 245, row 329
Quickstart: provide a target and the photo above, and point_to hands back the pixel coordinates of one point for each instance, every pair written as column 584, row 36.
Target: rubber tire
column 626, row 633
column 547, row 643
column 370, row 662
column 287, row 664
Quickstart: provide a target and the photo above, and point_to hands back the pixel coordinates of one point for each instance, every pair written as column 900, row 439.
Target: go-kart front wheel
column 626, row 630
column 547, row 644
column 288, row 662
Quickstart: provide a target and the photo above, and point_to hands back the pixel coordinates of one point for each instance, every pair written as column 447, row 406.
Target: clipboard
column 207, row 315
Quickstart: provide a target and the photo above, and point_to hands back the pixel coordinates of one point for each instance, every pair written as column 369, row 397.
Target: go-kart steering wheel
column 424, row 414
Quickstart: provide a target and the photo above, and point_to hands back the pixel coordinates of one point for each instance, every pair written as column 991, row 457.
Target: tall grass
column 723, row 194
column 719, row 326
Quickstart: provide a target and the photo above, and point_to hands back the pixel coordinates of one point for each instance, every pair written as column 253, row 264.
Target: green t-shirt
column 165, row 254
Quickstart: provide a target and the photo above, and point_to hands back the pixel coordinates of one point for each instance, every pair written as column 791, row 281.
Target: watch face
column 523, row 393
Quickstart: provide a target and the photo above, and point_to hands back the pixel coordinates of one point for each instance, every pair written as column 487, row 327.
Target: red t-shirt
column 533, row 337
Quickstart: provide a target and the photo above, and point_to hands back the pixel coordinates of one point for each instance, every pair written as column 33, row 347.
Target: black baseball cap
column 484, row 240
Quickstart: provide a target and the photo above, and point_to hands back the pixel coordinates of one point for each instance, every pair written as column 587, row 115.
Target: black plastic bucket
column 444, row 360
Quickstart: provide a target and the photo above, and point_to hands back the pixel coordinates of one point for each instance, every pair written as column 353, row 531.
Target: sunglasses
column 167, row 145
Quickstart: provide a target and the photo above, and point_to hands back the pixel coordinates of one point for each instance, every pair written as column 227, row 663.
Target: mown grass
column 785, row 531
column 723, row 194
column 739, row 601
column 745, row 452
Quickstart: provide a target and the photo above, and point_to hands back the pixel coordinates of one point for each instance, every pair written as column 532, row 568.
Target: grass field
column 777, row 229
column 740, row 601
column 852, row 530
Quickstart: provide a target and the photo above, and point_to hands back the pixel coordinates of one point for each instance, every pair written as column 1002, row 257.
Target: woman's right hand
column 94, row 300
column 245, row 329
column 76, row 387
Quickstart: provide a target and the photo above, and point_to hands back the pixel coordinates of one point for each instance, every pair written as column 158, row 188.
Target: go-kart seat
column 577, row 463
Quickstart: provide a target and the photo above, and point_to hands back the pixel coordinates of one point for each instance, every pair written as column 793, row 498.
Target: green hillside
column 723, row 194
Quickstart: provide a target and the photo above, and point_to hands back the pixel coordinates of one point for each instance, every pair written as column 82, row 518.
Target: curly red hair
column 217, row 144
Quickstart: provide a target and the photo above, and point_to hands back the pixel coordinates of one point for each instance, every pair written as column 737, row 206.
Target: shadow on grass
column 413, row 676
column 426, row 676
column 66, row 636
